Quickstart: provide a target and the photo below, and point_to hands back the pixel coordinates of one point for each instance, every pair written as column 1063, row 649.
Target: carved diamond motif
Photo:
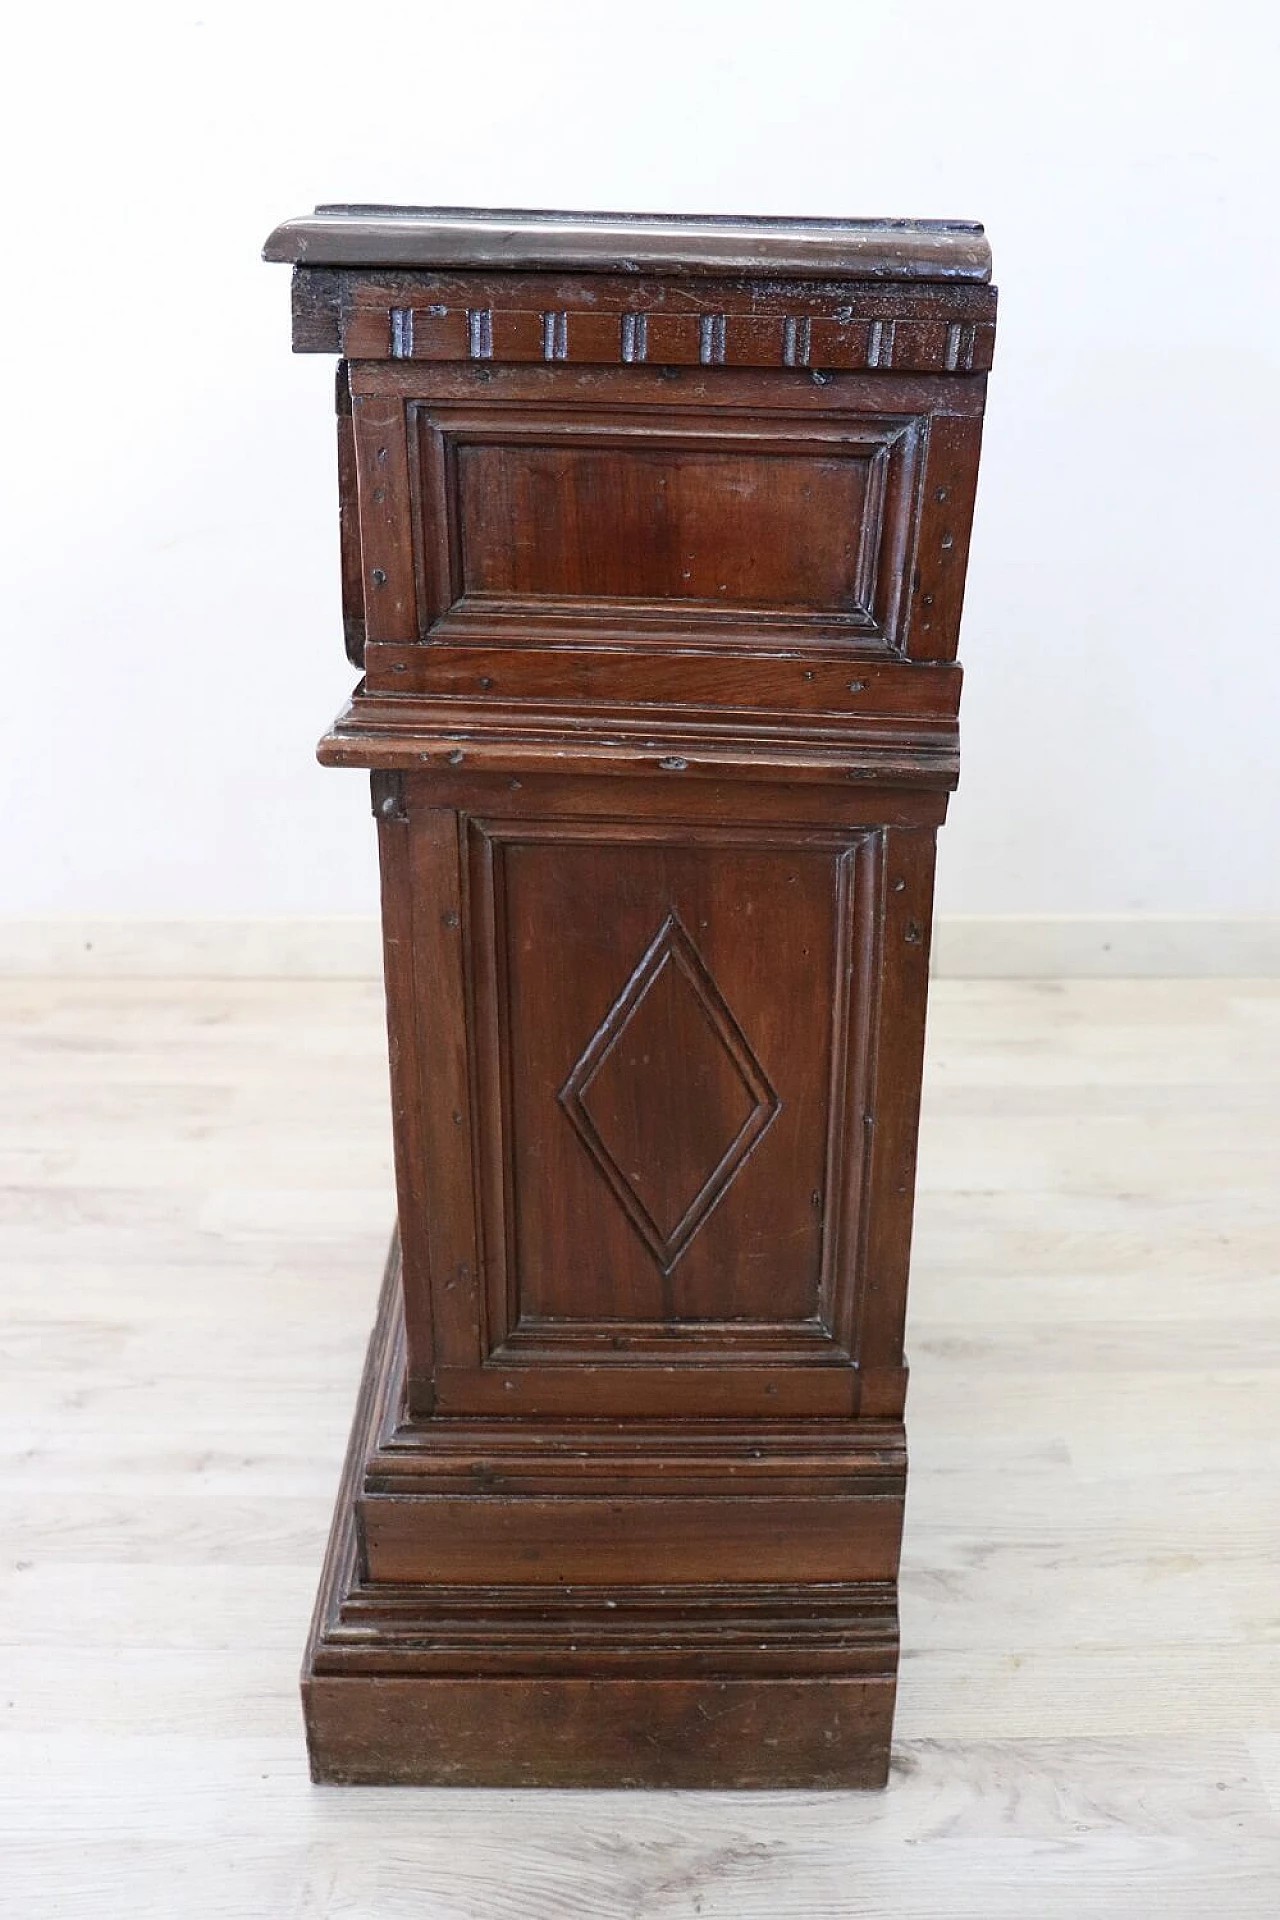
column 668, row 1097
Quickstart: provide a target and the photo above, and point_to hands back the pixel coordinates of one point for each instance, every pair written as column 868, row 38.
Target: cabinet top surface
column 487, row 238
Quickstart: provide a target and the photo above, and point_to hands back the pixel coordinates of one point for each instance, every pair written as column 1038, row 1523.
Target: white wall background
column 172, row 638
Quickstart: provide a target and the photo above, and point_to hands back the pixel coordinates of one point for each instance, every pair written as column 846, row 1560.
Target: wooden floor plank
column 194, row 1196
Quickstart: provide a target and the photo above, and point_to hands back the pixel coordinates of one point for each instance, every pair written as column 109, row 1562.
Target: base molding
column 746, row 1684
column 388, row 1730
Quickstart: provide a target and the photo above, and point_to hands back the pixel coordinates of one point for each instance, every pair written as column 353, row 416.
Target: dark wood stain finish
column 653, row 545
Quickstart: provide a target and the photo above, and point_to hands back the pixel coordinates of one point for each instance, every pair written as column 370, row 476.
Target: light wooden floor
column 194, row 1210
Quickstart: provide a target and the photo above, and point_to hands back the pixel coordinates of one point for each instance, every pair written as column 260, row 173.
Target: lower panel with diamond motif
column 656, row 1083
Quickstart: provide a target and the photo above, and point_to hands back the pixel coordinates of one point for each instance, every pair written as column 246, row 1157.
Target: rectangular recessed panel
column 668, row 1026
column 720, row 528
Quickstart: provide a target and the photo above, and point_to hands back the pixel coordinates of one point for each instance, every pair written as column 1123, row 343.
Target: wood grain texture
column 655, row 1053
column 527, row 239
column 656, row 1733
column 197, row 1186
column 735, row 524
column 490, row 320
column 758, row 510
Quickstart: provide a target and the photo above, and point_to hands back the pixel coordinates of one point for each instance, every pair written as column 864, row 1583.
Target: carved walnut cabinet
column 653, row 538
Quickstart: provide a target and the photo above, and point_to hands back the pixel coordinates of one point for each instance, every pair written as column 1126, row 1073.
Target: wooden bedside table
column 654, row 536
